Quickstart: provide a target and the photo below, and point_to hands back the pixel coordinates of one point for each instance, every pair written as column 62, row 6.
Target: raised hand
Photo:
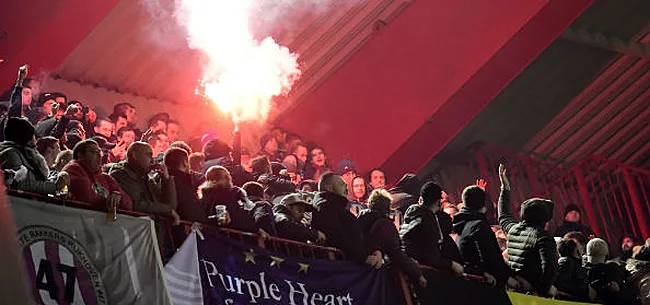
column 481, row 183
column 505, row 183
column 22, row 73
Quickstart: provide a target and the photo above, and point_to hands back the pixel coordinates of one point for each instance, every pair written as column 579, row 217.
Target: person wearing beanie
column 606, row 277
column 25, row 169
column 572, row 222
column 531, row 249
column 478, row 244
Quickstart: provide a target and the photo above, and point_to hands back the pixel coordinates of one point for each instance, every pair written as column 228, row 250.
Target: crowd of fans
column 288, row 189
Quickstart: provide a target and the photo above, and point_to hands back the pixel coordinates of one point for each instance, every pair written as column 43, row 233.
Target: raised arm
column 506, row 220
column 16, row 106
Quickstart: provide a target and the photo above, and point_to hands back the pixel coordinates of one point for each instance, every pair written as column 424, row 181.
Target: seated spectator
column 269, row 147
column 197, row 161
column 173, row 130
column 25, row 169
column 377, row 178
column 262, row 210
column 531, row 249
column 405, row 192
column 337, row 223
column 478, row 244
column 572, row 223
column 219, row 190
column 88, row 183
column 149, row 195
column 189, row 208
column 639, row 268
column 421, row 234
column 49, row 148
column 571, row 279
column 380, row 234
column 289, row 214
column 607, row 278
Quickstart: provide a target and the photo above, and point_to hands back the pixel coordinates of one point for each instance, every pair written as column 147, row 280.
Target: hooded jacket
column 421, row 236
column 339, row 225
column 406, row 192
column 14, row 156
column 234, row 200
column 380, row 233
column 572, row 279
column 290, row 228
column 640, row 277
column 531, row 249
column 478, row 245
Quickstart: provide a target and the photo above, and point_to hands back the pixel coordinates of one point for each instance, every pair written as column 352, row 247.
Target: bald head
column 140, row 155
column 331, row 182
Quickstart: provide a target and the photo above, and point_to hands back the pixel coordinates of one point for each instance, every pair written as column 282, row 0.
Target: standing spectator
column 88, row 183
column 173, row 130
column 607, row 278
column 188, row 205
column 421, row 233
column 347, row 171
column 359, row 189
column 293, row 140
column 337, row 223
column 217, row 152
column 262, row 210
column 300, row 150
column 269, row 147
column 380, row 233
column 49, row 148
column 639, row 268
column 197, row 160
column 105, row 127
column 131, row 116
column 289, row 214
column 406, row 192
column 159, row 142
column 318, row 164
column 25, row 169
column 478, row 244
column 126, row 135
column 572, row 223
column 572, row 277
column 119, row 119
column 377, row 178
column 531, row 249
column 158, row 122
column 149, row 195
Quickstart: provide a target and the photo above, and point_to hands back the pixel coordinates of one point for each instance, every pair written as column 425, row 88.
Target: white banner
column 75, row 256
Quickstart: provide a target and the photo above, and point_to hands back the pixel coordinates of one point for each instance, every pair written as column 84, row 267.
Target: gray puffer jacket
column 13, row 157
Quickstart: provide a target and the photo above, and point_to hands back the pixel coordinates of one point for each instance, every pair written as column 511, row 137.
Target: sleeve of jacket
column 491, row 253
column 16, row 105
column 61, row 126
column 125, row 202
column 264, row 218
column 392, row 248
column 428, row 235
column 81, row 186
column 547, row 252
column 12, row 160
column 344, row 234
column 168, row 192
column 506, row 220
column 137, row 194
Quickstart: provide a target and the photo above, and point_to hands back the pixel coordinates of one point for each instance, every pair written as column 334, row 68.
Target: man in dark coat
column 217, row 152
column 478, row 244
column 288, row 220
column 339, row 225
column 572, row 223
column 261, row 210
column 188, row 206
column 572, row 277
column 531, row 249
column 421, row 233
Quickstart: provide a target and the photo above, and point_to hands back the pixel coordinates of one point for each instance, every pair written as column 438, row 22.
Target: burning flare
column 241, row 74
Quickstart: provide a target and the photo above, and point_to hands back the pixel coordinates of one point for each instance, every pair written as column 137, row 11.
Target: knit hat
column 571, row 208
column 19, row 131
column 344, row 166
column 537, row 211
column 597, row 250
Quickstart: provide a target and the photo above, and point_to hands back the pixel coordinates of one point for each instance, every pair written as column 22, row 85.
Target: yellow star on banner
column 276, row 261
column 250, row 256
column 303, row 268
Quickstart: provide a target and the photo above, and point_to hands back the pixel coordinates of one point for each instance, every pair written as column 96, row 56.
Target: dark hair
column 261, row 165
column 161, row 116
column 154, row 137
column 115, row 116
column 124, row 129
column 326, row 180
column 44, row 143
column 375, row 169
column 474, row 197
column 122, row 107
column 265, row 139
column 430, row 193
column 196, row 159
column 365, row 184
column 105, row 119
column 82, row 147
column 253, row 190
column 174, row 157
column 566, row 247
column 19, row 131
column 215, row 149
column 577, row 235
column 182, row 145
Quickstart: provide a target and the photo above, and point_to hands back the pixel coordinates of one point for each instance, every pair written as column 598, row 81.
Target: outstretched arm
column 506, row 220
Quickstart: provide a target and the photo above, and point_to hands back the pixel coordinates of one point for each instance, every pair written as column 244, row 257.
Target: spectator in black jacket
column 531, row 249
column 608, row 278
column 380, row 233
column 572, row 277
column 478, row 245
column 188, row 205
column 572, row 223
column 421, row 233
column 339, row 225
column 288, row 220
column 262, row 210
